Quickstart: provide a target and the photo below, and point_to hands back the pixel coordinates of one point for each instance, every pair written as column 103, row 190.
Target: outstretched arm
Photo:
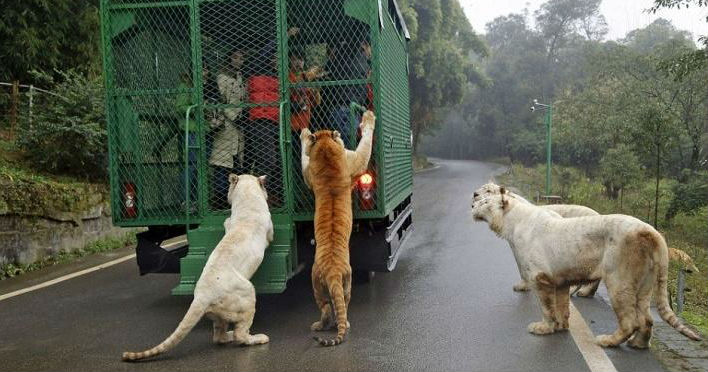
column 305, row 143
column 358, row 160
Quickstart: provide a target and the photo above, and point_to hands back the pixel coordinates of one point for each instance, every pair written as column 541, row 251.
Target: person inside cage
column 262, row 150
column 348, row 60
column 226, row 155
column 183, row 102
column 302, row 99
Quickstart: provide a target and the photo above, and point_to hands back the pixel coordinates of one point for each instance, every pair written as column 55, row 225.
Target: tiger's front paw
column 368, row 121
column 541, row 328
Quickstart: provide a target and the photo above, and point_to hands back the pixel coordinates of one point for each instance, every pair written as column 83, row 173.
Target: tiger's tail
column 336, row 293
column 683, row 257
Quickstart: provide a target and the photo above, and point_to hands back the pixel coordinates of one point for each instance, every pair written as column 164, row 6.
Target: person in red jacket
column 262, row 153
column 263, row 128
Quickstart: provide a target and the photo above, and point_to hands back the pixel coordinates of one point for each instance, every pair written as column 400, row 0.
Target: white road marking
column 595, row 357
column 76, row 274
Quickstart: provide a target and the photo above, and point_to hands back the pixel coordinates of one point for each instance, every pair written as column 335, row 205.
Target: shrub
column 689, row 196
column 68, row 131
column 619, row 168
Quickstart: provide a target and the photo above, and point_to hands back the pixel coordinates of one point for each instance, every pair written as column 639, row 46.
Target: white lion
column 554, row 253
column 570, row 211
column 223, row 292
column 563, row 210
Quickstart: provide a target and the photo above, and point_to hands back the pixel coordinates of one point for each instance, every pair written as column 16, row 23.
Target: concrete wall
column 25, row 239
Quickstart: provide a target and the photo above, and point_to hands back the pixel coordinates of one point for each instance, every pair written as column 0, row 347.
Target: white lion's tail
column 661, row 262
column 194, row 314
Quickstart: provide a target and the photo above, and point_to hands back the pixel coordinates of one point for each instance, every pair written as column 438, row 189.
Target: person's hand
column 314, row 73
column 292, row 31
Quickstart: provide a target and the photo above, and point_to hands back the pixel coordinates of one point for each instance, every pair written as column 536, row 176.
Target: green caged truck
column 199, row 89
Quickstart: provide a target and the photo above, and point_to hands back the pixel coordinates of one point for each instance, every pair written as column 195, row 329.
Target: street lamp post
column 549, row 124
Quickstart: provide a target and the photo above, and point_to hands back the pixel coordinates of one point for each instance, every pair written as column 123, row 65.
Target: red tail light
column 130, row 209
column 366, row 185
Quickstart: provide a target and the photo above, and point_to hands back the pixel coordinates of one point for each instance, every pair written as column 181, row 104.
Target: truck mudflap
column 152, row 257
column 376, row 244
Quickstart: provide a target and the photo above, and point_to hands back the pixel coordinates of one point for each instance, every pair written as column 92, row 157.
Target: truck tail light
column 130, row 209
column 366, row 185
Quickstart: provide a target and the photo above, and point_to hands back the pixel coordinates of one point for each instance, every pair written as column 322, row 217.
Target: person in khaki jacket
column 227, row 151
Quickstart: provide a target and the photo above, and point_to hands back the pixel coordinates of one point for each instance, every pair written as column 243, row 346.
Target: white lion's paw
column 368, row 120
column 304, row 133
column 521, row 286
column 637, row 342
column 605, row 341
column 562, row 325
column 540, row 328
column 259, row 339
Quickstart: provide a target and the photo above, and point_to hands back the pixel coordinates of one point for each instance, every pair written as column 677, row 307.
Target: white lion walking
column 554, row 253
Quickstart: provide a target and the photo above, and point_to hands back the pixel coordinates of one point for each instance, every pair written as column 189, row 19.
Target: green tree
column 68, row 134
column 442, row 45
column 48, row 35
column 619, row 168
column 653, row 136
column 690, row 61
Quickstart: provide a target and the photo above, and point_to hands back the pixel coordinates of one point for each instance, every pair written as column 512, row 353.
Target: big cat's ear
column 335, row 134
column 262, row 180
column 233, row 179
column 502, row 190
column 313, row 138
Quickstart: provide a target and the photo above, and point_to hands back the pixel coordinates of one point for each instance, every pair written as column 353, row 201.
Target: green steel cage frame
column 171, row 78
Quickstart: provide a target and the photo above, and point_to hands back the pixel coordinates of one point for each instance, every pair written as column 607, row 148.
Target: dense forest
column 55, row 45
column 630, row 101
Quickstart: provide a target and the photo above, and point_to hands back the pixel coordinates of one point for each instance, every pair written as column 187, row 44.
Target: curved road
column 448, row 306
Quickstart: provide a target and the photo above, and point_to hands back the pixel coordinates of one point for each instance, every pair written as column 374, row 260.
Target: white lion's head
column 490, row 208
column 489, row 188
column 246, row 184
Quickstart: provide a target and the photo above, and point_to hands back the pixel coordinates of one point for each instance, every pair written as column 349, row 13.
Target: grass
column 29, row 192
column 686, row 232
column 421, row 162
column 103, row 245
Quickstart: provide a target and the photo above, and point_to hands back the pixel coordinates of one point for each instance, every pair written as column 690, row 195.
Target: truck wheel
column 362, row 276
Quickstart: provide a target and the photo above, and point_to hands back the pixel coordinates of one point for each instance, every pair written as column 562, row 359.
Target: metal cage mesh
column 251, row 74
column 329, row 67
column 241, row 96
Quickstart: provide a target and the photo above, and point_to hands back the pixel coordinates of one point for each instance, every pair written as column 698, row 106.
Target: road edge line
column 74, row 275
column 595, row 356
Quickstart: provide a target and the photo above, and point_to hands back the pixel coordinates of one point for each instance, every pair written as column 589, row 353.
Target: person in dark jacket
column 347, row 61
column 262, row 132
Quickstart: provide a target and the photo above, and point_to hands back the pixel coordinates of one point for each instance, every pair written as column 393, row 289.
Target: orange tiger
column 328, row 169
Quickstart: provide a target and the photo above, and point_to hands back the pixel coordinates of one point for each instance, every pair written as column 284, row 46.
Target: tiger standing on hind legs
column 329, row 169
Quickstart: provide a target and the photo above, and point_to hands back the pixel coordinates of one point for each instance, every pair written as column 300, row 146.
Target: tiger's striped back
column 331, row 184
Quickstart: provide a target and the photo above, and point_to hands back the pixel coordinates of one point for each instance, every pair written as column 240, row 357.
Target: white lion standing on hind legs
column 570, row 211
column 223, row 292
column 554, row 253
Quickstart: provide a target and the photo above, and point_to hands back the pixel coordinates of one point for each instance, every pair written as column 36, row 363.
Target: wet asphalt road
column 447, row 306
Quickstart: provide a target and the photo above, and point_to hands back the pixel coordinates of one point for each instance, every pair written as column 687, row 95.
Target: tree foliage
column 443, row 43
column 68, row 133
column 616, row 103
column 619, row 168
column 48, row 35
